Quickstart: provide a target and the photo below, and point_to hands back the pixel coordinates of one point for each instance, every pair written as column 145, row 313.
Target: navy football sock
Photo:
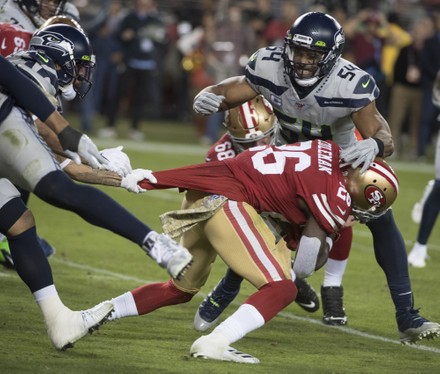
column 231, row 282
column 390, row 252
column 29, row 260
column 430, row 213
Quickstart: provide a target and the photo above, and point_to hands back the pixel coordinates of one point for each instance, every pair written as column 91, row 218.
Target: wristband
column 69, row 138
column 380, row 145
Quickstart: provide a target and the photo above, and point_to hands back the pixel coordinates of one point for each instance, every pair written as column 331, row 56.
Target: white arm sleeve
column 306, row 256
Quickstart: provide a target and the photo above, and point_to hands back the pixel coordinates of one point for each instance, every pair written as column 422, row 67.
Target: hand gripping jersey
column 13, row 39
column 325, row 112
column 271, row 179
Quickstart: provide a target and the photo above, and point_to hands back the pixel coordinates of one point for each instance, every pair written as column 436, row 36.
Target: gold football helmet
column 373, row 192
column 251, row 122
column 63, row 20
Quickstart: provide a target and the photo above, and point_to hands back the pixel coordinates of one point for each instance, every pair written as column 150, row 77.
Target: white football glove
column 207, row 103
column 118, row 161
column 89, row 152
column 130, row 181
column 364, row 151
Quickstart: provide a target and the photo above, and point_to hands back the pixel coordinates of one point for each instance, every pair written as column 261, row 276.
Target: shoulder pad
column 43, row 74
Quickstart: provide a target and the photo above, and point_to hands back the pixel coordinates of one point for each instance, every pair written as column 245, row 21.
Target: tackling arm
column 371, row 124
column 313, row 249
column 225, row 95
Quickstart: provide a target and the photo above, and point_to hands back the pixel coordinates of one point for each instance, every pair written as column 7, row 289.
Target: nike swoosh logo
column 46, row 60
column 4, row 44
column 365, row 85
column 341, row 210
column 308, row 305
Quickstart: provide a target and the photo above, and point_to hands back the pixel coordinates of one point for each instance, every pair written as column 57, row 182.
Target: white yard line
column 287, row 315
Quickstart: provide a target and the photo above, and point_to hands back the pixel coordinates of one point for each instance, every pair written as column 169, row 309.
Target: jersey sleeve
column 355, row 84
column 13, row 39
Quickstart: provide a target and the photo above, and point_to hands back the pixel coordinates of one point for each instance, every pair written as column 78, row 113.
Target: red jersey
column 221, row 150
column 272, row 179
column 13, row 39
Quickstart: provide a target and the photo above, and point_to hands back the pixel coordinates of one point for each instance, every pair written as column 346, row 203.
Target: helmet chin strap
column 67, row 92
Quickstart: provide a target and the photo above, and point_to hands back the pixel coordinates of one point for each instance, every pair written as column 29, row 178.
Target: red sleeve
column 13, row 39
column 214, row 177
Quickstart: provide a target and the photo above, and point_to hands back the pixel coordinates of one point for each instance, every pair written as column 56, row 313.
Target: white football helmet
column 373, row 192
column 251, row 122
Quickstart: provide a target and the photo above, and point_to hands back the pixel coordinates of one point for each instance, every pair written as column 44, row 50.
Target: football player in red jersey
column 274, row 179
column 317, row 94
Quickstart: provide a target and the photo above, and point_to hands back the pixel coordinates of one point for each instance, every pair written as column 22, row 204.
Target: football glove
column 89, row 152
column 118, row 161
column 130, row 181
column 363, row 152
column 207, row 103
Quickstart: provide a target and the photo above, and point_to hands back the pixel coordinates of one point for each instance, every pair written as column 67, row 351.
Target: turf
column 92, row 265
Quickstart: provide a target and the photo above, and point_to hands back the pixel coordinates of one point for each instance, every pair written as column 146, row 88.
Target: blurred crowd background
column 153, row 57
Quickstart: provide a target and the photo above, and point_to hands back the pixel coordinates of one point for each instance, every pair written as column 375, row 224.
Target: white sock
column 125, row 306
column 334, row 272
column 246, row 319
column 49, row 302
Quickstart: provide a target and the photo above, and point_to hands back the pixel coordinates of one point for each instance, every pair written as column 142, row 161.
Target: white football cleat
column 215, row 347
column 168, row 254
column 418, row 256
column 201, row 325
column 69, row 326
column 417, row 210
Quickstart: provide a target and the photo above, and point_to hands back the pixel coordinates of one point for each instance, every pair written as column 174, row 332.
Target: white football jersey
column 325, row 112
column 10, row 12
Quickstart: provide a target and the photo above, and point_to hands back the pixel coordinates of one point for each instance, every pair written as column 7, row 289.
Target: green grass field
column 92, row 265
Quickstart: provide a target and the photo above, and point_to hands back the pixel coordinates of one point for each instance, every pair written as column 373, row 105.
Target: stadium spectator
column 406, row 92
column 103, row 92
column 425, row 212
column 430, row 66
column 143, row 38
column 317, row 94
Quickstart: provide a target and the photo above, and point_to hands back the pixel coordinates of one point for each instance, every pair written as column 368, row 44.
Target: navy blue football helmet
column 312, row 32
column 70, row 49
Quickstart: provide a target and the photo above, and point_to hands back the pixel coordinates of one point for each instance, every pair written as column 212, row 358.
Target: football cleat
column 215, row 347
column 306, row 297
column 212, row 306
column 168, row 254
column 5, row 254
column 70, row 326
column 413, row 327
column 333, row 306
column 48, row 249
column 418, row 256
column 417, row 210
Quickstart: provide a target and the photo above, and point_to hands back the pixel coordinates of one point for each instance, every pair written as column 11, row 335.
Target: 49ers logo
column 375, row 196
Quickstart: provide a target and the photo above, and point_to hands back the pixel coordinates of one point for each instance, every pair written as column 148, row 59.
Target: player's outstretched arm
column 227, row 94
